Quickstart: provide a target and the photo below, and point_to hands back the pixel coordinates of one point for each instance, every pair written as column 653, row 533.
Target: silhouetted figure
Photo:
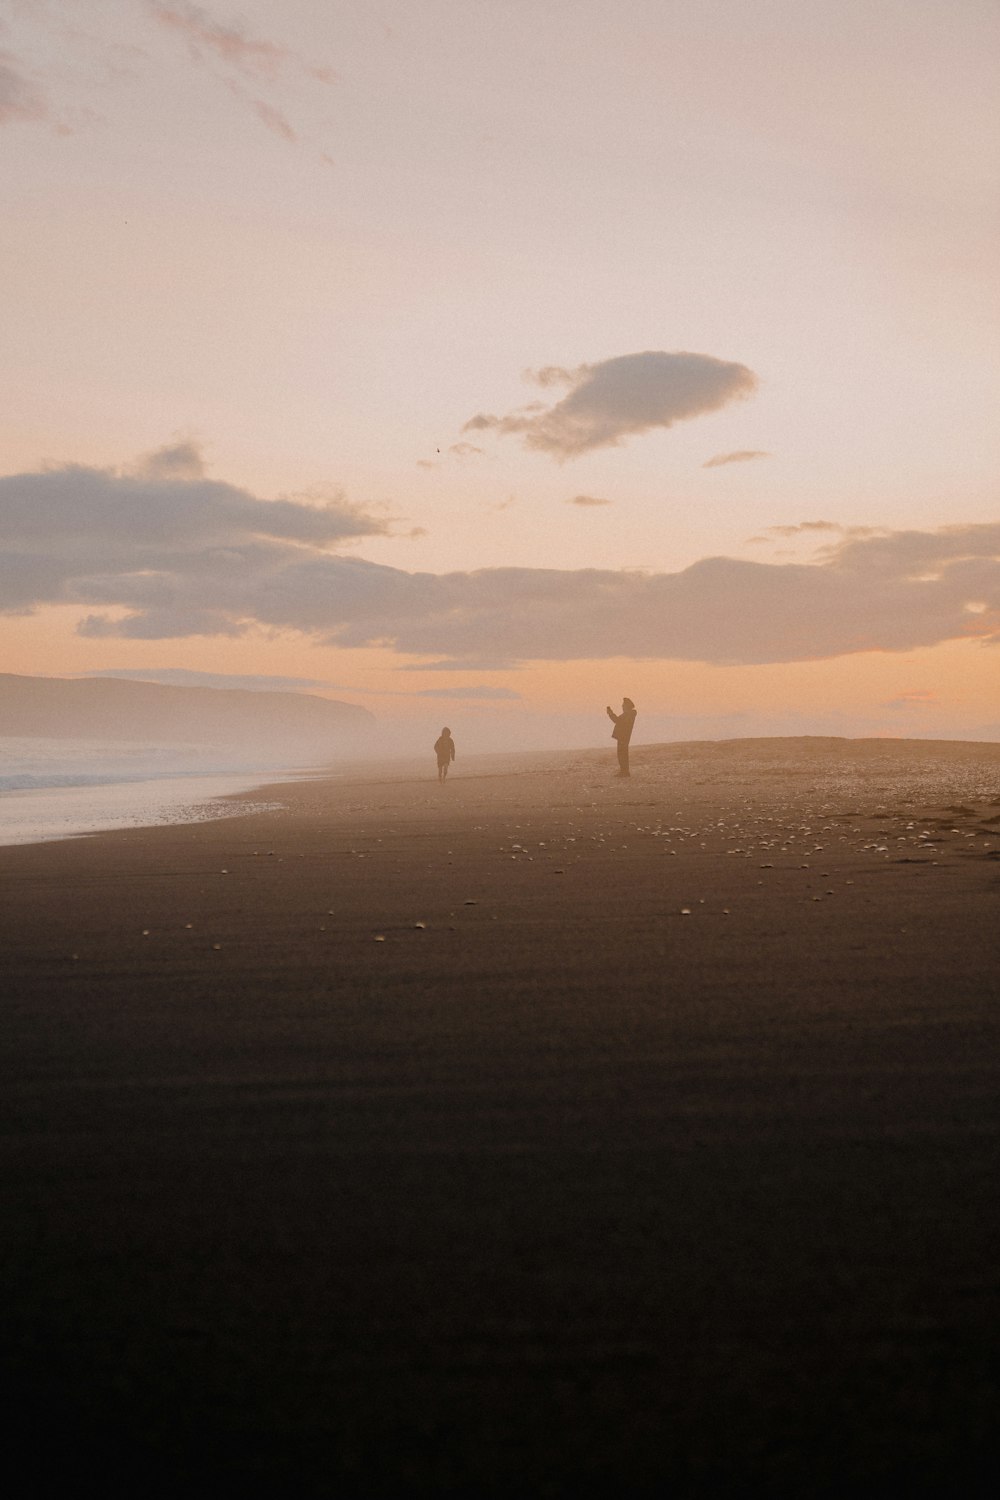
column 622, row 732
column 444, row 749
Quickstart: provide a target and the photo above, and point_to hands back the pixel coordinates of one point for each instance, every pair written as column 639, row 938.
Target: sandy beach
column 536, row 1134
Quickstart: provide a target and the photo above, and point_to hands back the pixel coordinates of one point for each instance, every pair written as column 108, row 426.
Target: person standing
column 622, row 732
column 444, row 749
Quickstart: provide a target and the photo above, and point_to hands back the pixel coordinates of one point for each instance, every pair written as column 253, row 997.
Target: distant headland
column 116, row 709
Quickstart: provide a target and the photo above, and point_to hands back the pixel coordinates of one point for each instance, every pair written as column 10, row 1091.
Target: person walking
column 622, row 732
column 444, row 749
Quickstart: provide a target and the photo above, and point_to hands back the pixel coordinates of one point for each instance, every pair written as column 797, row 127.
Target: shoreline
column 538, row 1133
column 44, row 814
column 93, row 805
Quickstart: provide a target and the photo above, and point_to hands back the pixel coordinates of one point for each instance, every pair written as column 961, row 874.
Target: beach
column 39, row 814
column 539, row 1133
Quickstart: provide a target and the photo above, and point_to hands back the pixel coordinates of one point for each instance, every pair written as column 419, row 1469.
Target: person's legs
column 623, row 769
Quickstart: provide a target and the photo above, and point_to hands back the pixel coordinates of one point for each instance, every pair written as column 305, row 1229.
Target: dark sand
column 352, row 1149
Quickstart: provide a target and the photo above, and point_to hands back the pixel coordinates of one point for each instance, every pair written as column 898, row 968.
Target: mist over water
column 29, row 763
column 510, row 729
column 78, row 755
column 58, row 788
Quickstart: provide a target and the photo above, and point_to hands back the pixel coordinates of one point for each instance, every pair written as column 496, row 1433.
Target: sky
column 484, row 361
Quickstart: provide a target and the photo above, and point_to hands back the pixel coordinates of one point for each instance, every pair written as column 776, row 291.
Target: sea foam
column 60, row 788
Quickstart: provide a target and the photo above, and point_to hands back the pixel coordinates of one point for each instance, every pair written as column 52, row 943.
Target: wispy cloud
column 479, row 664
column 809, row 528
column 21, row 100
column 155, row 558
column 182, row 677
column 918, row 698
column 255, row 69
column 741, row 456
column 274, row 120
column 231, row 43
column 618, row 398
column 460, row 451
column 586, row 500
column 803, row 527
column 240, row 58
column 485, row 691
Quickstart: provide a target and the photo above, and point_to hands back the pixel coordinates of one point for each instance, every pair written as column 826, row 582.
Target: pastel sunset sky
column 481, row 361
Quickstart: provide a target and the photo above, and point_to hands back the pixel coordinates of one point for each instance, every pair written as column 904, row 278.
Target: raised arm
column 612, row 715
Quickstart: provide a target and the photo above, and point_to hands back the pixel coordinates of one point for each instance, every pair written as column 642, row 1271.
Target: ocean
column 62, row 788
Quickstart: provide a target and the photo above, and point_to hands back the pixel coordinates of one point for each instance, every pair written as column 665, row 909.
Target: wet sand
column 538, row 1134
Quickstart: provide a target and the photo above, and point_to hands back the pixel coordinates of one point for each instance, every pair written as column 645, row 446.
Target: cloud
column 181, row 460
column 587, row 500
column 181, row 677
column 802, row 526
column 617, row 398
column 494, row 693
column 240, row 57
column 154, row 624
column 20, row 99
column 155, row 540
column 156, row 558
column 919, row 698
column 477, row 665
column 274, row 120
column 460, row 450
column 553, row 375
column 256, row 70
column 741, row 456
column 254, row 57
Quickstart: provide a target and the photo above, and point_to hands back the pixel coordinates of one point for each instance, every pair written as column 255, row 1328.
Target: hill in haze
column 115, row 709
